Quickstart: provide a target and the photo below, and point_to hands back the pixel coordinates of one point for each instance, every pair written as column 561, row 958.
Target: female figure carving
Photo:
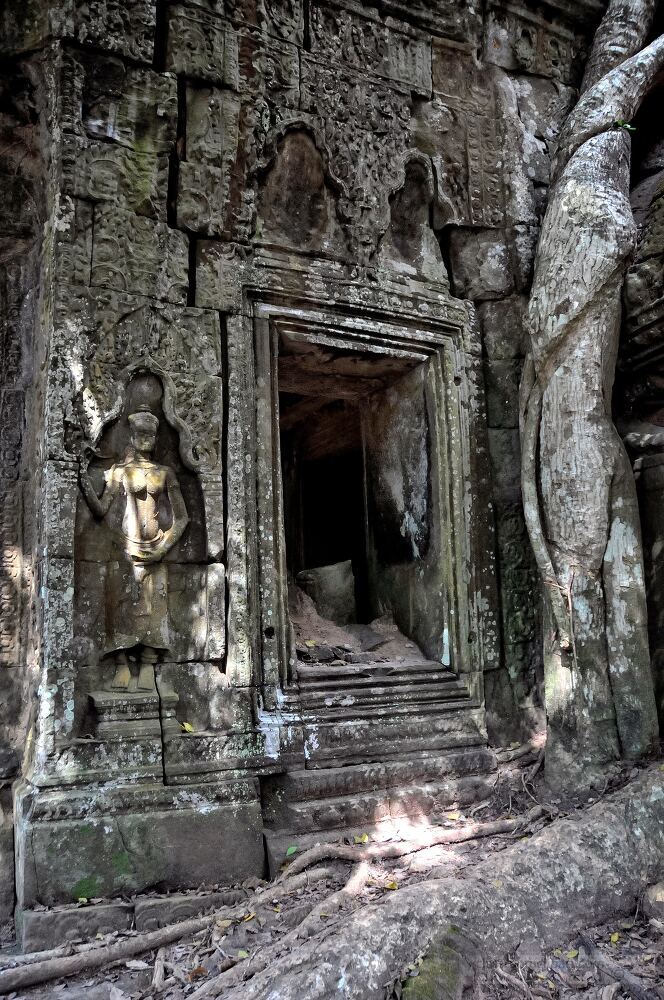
column 153, row 520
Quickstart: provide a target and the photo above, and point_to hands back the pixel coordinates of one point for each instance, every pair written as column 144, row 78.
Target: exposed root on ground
column 231, row 951
column 419, row 841
column 28, row 970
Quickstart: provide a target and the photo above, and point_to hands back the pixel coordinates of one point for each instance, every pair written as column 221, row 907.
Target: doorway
column 355, row 471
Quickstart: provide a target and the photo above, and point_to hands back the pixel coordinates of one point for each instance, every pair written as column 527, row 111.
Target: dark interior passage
column 324, row 395
column 333, row 509
column 324, row 506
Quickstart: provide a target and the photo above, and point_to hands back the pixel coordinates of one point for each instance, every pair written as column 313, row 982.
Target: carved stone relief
column 110, row 25
column 410, row 244
column 104, row 99
column 297, row 206
column 205, row 174
column 366, row 137
column 202, row 46
column 519, row 37
column 136, row 580
column 217, row 163
column 356, row 36
column 459, row 129
column 119, row 331
column 10, row 576
column 123, row 123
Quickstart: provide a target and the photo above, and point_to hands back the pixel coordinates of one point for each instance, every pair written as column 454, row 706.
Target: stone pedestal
column 117, row 841
column 122, row 714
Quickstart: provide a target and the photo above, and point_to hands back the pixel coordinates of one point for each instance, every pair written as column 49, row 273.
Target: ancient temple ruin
column 265, row 575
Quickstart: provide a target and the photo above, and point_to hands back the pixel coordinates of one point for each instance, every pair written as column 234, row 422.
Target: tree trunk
column 579, row 494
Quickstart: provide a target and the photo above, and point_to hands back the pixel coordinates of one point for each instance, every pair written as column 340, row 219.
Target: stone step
column 350, row 701
column 390, row 731
column 332, row 782
column 416, row 800
column 388, row 810
column 308, row 806
column 389, row 673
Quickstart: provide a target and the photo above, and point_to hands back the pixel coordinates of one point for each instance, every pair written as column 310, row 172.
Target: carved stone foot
column 146, row 677
column 122, row 678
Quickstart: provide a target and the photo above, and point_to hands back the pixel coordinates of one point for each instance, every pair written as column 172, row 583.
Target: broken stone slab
column 480, row 264
column 367, row 637
column 150, row 914
column 316, row 653
column 366, row 656
column 332, row 589
column 41, row 930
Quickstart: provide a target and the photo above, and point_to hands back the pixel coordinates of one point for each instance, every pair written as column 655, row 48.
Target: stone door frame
column 442, row 341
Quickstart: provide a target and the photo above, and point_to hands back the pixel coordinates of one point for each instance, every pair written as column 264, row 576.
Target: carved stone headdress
column 143, row 419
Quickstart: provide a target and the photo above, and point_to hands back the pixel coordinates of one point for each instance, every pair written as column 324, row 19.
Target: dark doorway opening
column 338, row 407
column 324, row 496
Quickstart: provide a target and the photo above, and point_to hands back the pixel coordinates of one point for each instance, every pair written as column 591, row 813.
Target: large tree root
column 578, row 871
column 41, row 967
column 236, row 972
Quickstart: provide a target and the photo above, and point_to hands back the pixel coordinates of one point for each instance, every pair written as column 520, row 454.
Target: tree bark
column 579, row 495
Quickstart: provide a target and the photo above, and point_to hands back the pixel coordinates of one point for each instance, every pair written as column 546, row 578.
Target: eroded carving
column 410, row 243
column 296, row 203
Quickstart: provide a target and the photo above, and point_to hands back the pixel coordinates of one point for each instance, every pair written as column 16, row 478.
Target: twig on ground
column 104, row 956
column 354, row 885
column 158, row 975
column 536, row 766
column 629, row 982
column 213, row 986
column 507, row 980
column 59, row 963
column 505, row 756
column 29, row 958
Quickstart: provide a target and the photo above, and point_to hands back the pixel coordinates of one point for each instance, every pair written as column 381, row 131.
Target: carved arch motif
column 169, row 403
column 276, row 135
column 297, row 203
column 409, row 241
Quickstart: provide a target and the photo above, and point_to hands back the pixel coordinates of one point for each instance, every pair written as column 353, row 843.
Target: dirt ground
column 269, row 919
column 635, row 945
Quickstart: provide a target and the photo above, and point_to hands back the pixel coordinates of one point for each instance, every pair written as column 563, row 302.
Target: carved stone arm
column 98, row 505
column 180, row 516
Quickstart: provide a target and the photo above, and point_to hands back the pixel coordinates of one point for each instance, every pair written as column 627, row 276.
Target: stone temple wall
column 180, row 179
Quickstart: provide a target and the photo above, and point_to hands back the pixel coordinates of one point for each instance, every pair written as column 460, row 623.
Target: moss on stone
column 438, row 978
column 86, row 888
column 446, row 971
column 121, row 863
